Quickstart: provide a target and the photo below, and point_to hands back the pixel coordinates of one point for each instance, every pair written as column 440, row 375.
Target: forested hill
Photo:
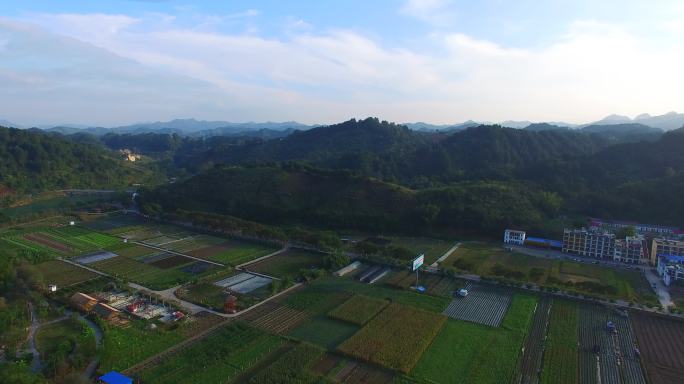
column 295, row 194
column 393, row 152
column 32, row 161
column 323, row 144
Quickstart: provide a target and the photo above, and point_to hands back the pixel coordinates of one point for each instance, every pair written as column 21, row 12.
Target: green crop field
column 316, row 300
column 291, row 367
column 63, row 274
column 358, row 309
column 404, row 297
column 324, row 331
column 234, row 252
column 216, row 359
column 476, row 353
column 396, row 338
column 560, row 356
column 141, row 273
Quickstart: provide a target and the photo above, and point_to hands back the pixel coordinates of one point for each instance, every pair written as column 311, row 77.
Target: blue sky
column 441, row 61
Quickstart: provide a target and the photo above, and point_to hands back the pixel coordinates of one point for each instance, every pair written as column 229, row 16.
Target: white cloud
column 435, row 12
column 593, row 70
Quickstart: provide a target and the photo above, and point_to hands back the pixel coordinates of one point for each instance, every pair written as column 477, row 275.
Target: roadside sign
column 418, row 261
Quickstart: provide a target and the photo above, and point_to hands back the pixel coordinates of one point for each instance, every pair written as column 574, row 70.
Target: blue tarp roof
column 114, row 377
column 553, row 243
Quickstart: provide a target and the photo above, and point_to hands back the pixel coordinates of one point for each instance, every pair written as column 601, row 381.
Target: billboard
column 418, row 261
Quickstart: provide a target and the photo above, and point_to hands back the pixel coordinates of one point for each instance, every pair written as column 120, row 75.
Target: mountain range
column 201, row 128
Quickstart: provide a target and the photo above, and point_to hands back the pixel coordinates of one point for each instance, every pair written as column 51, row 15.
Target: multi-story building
column 512, row 236
column 666, row 247
column 589, row 243
column 632, row 250
column 670, row 268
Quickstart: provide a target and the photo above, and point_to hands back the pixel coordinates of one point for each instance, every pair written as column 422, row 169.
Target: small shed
column 105, row 311
column 83, row 302
column 52, row 288
column 114, row 377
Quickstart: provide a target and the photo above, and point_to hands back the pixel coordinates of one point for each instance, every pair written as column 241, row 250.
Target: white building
column 512, row 236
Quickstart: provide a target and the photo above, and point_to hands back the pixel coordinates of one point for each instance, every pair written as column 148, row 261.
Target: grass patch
column 63, row 274
column 323, row 331
column 358, row 309
column 432, row 248
column 476, row 353
column 561, row 356
column 395, row 338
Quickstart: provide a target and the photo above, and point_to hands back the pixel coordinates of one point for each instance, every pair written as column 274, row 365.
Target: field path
column 445, row 255
column 83, row 266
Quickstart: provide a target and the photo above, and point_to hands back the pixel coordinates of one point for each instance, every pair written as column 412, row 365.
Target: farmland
column 358, row 309
column 293, row 366
column 465, row 350
column 228, row 352
column 560, row 357
column 396, row 338
column 661, row 341
column 144, row 274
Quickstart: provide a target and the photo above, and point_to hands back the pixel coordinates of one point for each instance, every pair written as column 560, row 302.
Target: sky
column 118, row 62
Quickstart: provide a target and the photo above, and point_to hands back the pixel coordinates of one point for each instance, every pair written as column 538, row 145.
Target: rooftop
column 115, row 377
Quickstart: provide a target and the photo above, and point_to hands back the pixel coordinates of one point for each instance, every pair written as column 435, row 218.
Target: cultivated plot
column 605, row 356
column 396, row 338
column 661, row 342
column 482, row 305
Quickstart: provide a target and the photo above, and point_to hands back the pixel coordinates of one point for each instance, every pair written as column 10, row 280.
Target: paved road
column 660, row 288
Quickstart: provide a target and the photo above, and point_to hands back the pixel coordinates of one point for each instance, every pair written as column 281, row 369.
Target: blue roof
column 553, row 243
column 115, row 377
column 673, row 258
